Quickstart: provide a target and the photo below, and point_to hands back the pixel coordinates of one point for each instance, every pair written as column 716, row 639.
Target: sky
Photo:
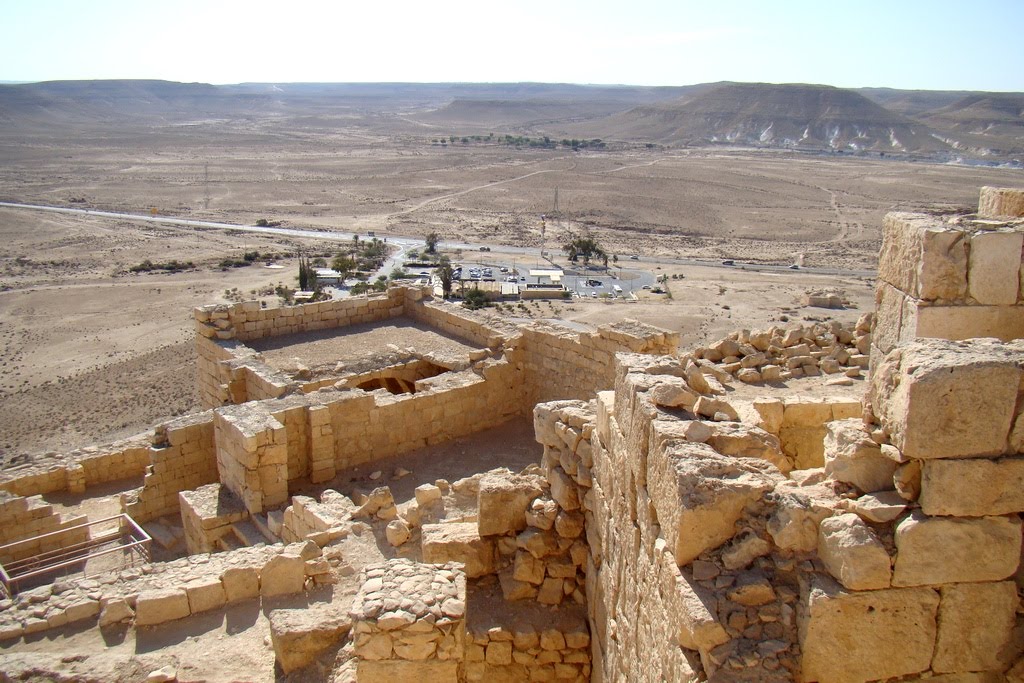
column 909, row 44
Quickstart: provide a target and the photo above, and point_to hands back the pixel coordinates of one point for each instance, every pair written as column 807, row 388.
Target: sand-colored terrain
column 91, row 352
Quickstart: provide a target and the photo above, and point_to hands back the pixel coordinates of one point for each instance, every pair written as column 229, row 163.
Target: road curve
column 406, row 242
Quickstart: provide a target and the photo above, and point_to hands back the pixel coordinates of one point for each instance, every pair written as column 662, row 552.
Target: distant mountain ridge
column 938, row 124
column 789, row 115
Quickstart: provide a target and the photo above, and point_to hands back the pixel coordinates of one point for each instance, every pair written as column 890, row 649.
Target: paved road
column 405, row 243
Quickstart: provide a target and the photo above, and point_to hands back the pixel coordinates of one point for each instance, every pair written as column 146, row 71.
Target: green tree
column 432, row 239
column 446, row 274
column 586, row 247
column 307, row 276
column 344, row 265
column 475, row 299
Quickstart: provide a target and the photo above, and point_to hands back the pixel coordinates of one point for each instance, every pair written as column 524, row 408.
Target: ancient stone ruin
column 675, row 529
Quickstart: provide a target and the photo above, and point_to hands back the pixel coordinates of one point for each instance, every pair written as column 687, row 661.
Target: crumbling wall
column 24, row 518
column 182, row 457
column 75, row 471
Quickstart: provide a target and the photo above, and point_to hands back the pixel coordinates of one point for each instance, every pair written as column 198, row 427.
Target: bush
column 475, row 299
column 172, row 266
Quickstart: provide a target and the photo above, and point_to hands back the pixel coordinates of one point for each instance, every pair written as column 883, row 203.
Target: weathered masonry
column 671, row 532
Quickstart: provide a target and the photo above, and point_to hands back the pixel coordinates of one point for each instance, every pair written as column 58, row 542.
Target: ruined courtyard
column 819, row 502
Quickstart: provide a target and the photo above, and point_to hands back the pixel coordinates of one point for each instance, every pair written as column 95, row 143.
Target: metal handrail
column 52, row 561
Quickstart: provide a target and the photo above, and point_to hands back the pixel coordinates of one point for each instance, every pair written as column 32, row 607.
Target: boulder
column 205, row 594
column 240, row 583
column 397, row 532
column 799, row 510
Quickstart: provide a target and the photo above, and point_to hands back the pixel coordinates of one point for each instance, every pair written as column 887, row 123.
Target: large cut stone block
column 851, row 637
column 300, row 635
column 994, row 267
column 937, row 550
column 972, row 488
column 503, row 499
column 945, row 399
column 965, row 322
column 157, row 606
column 691, row 610
column 1001, row 202
column 434, row 671
column 699, row 495
column 459, row 542
column 283, row 574
column 923, row 257
column 853, row 554
column 975, row 621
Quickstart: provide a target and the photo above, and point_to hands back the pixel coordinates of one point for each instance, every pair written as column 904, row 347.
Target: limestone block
column 937, row 550
column 853, row 554
column 972, row 488
column 205, row 594
column 890, row 306
column 459, row 542
column 945, row 399
column 749, row 442
column 300, row 635
column 975, row 622
column 283, row 574
column 503, row 499
column 563, row 489
column 994, row 267
column 157, row 606
column 434, row 671
column 427, row 493
column 923, row 257
column 240, row 583
column 965, row 322
column 115, row 611
column 798, row 512
column 881, row 508
column 397, row 532
column 852, row 637
column 852, row 457
column 514, row 589
column 699, row 495
column 770, row 413
column 1000, row 202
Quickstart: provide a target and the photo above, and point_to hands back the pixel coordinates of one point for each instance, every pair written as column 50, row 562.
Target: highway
column 405, row 243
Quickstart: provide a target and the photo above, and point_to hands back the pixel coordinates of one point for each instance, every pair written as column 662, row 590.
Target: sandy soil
column 90, row 352
column 326, row 348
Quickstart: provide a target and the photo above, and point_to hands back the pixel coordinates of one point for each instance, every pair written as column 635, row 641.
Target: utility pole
column 206, row 186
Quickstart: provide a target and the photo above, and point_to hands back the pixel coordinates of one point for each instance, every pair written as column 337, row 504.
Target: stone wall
column 948, row 278
column 24, row 518
column 182, row 458
column 75, row 471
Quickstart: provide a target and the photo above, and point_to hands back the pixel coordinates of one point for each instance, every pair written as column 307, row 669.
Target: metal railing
column 129, row 539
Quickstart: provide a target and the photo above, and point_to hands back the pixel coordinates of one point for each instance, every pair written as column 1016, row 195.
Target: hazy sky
column 938, row 44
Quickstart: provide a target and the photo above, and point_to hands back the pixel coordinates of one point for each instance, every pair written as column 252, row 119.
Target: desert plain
column 91, row 352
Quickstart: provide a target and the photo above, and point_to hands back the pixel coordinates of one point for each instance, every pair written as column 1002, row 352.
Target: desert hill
column 760, row 114
column 938, row 124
